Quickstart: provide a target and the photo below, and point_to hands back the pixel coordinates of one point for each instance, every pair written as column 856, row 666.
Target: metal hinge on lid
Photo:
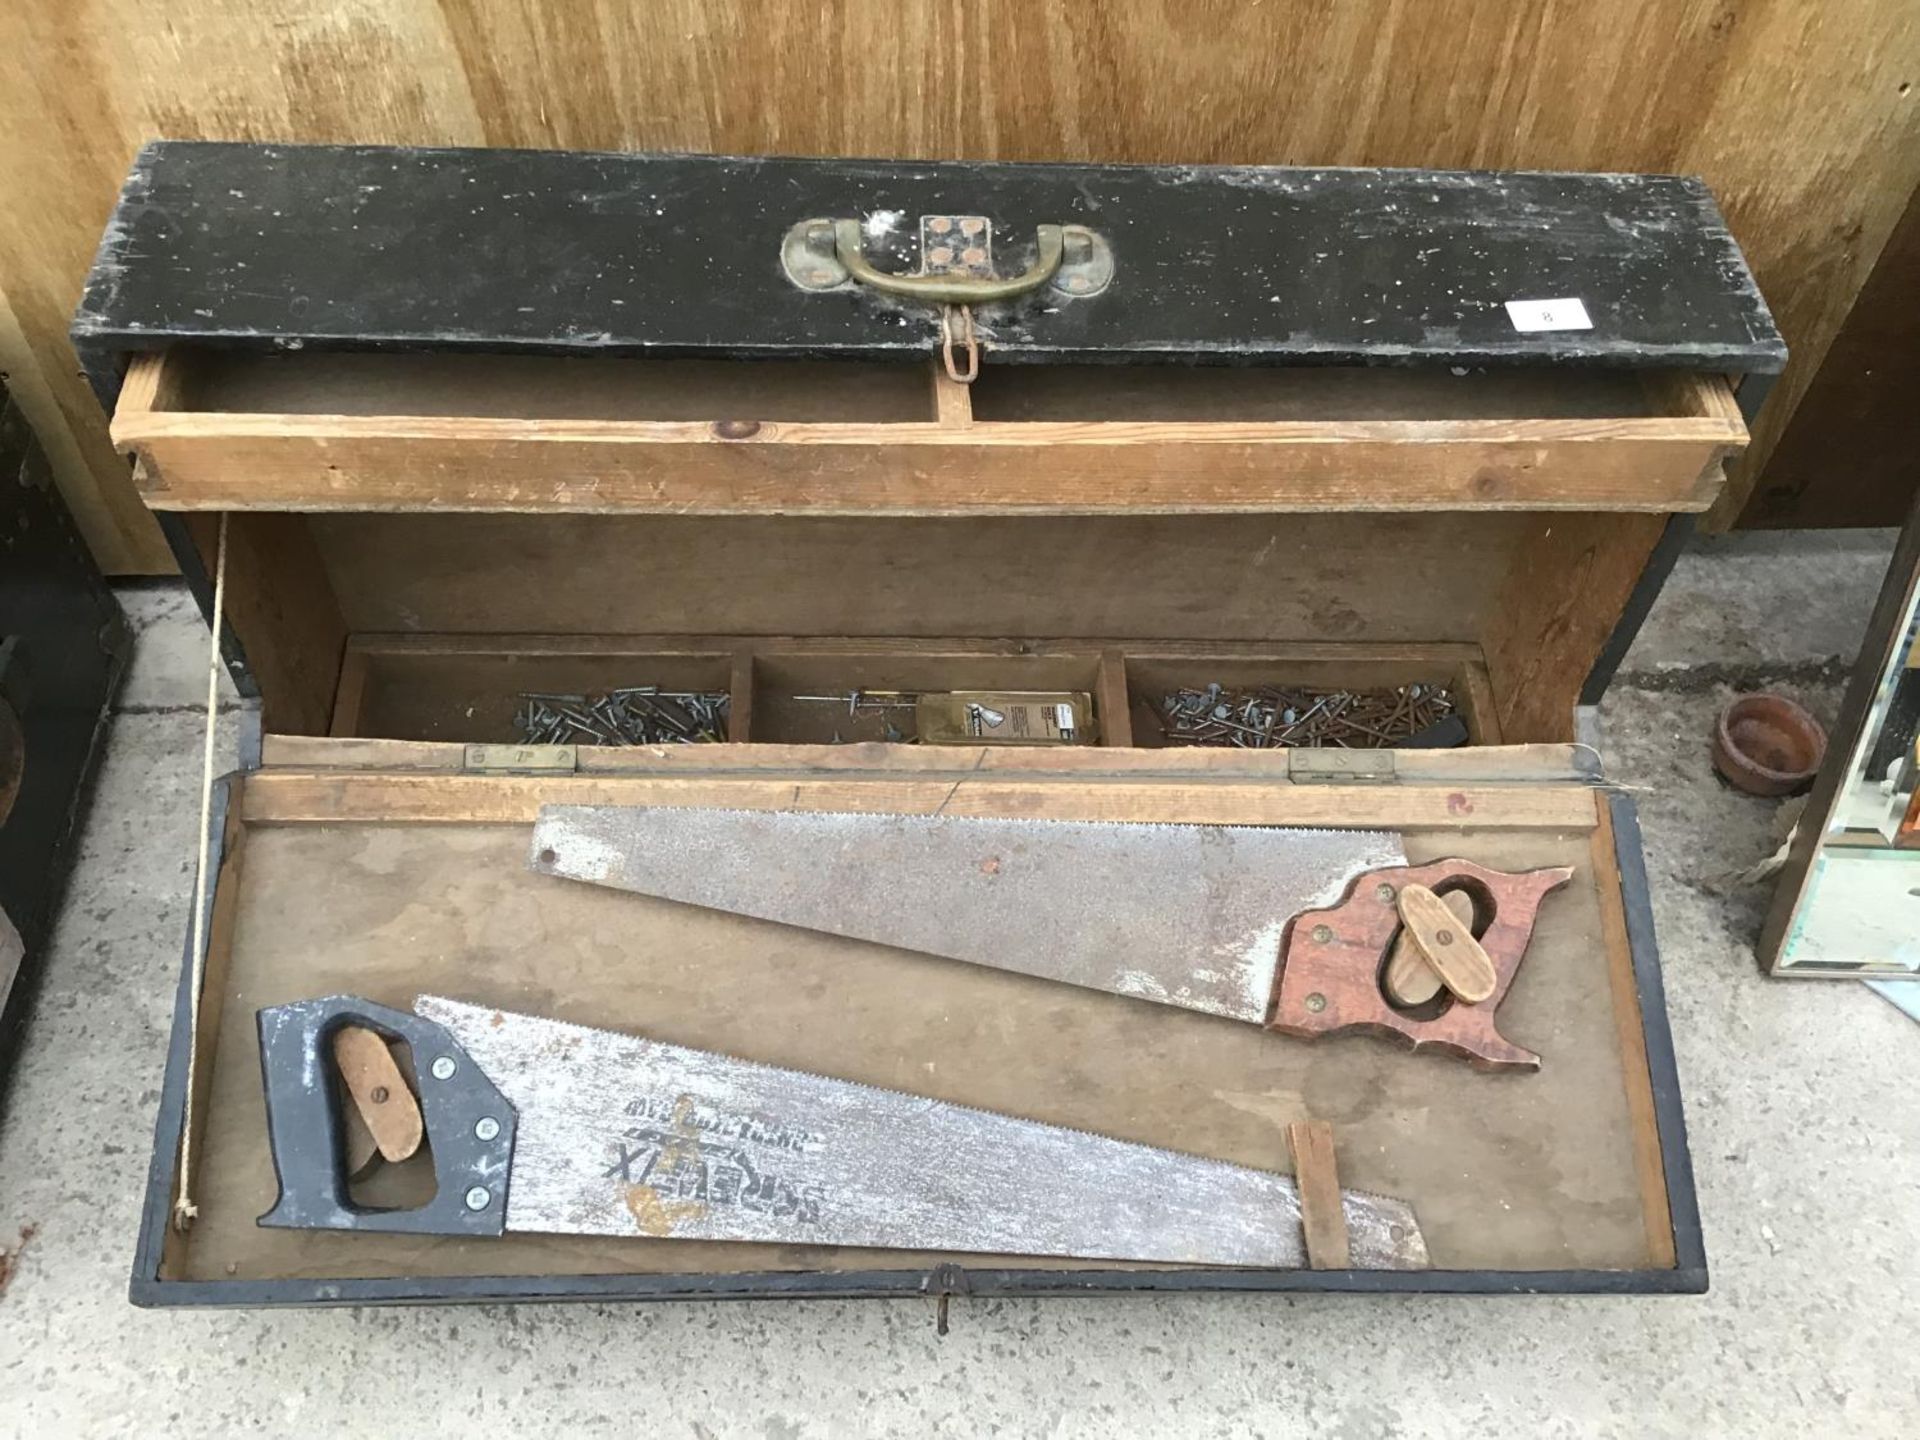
column 520, row 759
column 1340, row 767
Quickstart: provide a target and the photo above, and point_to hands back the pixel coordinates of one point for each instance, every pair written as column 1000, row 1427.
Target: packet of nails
column 1005, row 717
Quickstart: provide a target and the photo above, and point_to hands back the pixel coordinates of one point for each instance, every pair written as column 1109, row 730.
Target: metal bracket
column 943, row 1282
column 1340, row 767
column 956, row 261
column 520, row 759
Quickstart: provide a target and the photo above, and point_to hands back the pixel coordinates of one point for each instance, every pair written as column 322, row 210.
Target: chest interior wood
column 387, row 882
column 554, row 387
column 1072, row 510
column 426, row 626
column 418, row 537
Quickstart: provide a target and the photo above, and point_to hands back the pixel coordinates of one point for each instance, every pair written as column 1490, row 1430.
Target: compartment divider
column 350, row 696
column 1473, row 693
column 1111, row 700
column 740, row 697
column 952, row 401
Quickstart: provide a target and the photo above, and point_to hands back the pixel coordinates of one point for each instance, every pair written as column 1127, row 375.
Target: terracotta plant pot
column 1767, row 745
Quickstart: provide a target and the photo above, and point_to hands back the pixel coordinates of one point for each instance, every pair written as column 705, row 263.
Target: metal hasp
column 622, row 1135
column 470, row 1124
column 1245, row 922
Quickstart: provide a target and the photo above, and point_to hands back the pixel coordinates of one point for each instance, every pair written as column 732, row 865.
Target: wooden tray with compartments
column 483, row 423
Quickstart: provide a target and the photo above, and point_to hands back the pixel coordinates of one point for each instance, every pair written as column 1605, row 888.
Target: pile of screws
column 637, row 715
column 858, row 700
column 1268, row 717
column 865, row 705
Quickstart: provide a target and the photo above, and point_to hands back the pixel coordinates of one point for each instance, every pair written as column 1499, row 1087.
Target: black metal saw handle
column 470, row 1126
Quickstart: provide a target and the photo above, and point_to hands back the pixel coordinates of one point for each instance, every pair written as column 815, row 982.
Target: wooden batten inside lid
column 375, row 432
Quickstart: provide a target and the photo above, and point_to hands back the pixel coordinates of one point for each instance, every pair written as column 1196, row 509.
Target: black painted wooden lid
column 349, row 247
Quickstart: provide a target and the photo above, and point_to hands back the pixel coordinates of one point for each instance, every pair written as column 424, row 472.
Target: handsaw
column 538, row 1125
column 1292, row 929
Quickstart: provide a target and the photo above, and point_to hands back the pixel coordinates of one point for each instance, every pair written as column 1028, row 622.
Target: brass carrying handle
column 949, row 289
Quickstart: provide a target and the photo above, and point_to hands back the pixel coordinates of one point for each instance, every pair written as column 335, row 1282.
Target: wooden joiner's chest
column 489, row 425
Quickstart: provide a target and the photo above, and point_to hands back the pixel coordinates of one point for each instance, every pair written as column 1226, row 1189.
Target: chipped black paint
column 265, row 246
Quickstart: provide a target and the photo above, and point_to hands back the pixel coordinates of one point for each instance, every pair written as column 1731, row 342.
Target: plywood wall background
column 1802, row 114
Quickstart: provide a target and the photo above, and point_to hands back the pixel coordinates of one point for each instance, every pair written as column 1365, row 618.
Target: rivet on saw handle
column 1332, row 962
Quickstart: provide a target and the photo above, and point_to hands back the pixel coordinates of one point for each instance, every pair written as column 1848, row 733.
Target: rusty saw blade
column 538, row 1125
column 1187, row 915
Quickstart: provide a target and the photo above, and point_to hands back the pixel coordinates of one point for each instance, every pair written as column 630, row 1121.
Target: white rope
column 183, row 1207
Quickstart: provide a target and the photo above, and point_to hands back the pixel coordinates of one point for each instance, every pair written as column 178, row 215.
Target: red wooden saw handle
column 1331, row 962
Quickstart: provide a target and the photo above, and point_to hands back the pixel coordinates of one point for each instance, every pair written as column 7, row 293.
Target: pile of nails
column 637, row 715
column 1269, row 717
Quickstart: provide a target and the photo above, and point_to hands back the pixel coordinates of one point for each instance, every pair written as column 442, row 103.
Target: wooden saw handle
column 1446, row 944
column 1408, row 979
column 380, row 1093
column 1331, row 961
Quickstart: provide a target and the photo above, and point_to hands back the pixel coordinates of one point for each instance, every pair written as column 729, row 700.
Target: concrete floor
column 1800, row 1098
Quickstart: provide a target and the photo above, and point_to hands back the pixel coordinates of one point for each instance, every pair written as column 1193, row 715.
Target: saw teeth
column 1128, row 825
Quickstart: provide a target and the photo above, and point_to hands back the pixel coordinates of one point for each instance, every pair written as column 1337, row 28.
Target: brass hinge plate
column 1340, row 767
column 521, row 759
